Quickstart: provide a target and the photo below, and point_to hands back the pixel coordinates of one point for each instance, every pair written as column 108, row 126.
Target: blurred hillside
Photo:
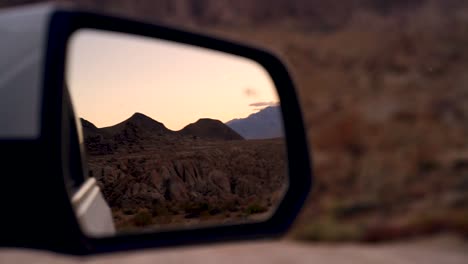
column 383, row 87
column 317, row 15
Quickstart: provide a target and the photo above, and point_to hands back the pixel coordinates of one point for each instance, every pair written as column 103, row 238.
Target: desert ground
column 446, row 249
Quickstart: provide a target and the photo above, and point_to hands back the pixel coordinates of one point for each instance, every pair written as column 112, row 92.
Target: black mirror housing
column 36, row 194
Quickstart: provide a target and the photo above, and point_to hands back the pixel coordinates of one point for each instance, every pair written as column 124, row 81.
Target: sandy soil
column 444, row 249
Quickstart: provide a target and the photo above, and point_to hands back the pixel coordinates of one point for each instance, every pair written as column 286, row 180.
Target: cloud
column 262, row 104
column 249, row 92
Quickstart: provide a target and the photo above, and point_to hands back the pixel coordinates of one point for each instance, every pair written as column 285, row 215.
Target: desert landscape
column 205, row 173
column 384, row 92
column 383, row 89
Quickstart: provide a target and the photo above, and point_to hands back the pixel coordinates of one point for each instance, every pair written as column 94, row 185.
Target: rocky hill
column 210, row 129
column 315, row 15
column 89, row 129
column 141, row 127
column 142, row 122
column 266, row 123
column 202, row 172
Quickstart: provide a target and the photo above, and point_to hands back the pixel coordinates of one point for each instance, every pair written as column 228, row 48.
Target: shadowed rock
column 210, row 129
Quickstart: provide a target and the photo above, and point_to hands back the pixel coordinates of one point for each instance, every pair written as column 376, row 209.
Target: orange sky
column 113, row 75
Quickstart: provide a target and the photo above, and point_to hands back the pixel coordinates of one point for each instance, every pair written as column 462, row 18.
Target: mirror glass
column 175, row 135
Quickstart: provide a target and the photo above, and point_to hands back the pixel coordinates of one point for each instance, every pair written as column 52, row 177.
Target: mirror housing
column 38, row 122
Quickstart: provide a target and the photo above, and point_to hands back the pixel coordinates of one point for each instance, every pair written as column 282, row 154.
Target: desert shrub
column 195, row 209
column 460, row 223
column 159, row 210
column 329, row 230
column 460, row 165
column 343, row 133
column 215, row 211
column 352, row 209
column 126, row 227
column 386, row 232
column 427, row 224
column 419, row 225
column 142, row 218
column 426, row 166
column 232, row 206
column 451, row 220
column 255, row 209
column 128, row 211
column 116, row 214
column 224, row 206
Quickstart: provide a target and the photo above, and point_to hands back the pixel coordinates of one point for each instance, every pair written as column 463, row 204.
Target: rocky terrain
column 154, row 177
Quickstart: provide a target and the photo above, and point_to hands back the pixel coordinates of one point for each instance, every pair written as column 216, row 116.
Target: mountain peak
column 87, row 124
column 142, row 117
column 207, row 121
column 141, row 121
column 139, row 115
column 89, row 129
column 210, row 129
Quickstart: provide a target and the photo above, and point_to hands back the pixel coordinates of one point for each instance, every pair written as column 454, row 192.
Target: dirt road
column 442, row 249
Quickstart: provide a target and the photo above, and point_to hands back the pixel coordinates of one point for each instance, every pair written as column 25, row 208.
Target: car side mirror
column 120, row 135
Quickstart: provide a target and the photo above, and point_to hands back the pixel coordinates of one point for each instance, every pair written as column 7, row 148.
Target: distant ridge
column 267, row 123
column 140, row 126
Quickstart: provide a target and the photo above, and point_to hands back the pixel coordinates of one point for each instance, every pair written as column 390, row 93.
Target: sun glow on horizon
column 111, row 76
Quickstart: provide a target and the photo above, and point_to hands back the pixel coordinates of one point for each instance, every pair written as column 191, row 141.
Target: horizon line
column 135, row 113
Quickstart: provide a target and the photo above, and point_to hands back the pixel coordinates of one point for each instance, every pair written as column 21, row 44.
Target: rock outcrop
column 206, row 168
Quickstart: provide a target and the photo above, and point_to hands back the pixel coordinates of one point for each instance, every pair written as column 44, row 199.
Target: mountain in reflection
column 89, row 129
column 201, row 173
column 140, row 121
column 211, row 129
column 267, row 123
column 140, row 126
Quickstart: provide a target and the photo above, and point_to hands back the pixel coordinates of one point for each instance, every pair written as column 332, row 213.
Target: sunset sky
column 113, row 75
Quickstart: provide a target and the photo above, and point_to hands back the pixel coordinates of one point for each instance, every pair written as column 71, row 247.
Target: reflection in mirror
column 175, row 135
